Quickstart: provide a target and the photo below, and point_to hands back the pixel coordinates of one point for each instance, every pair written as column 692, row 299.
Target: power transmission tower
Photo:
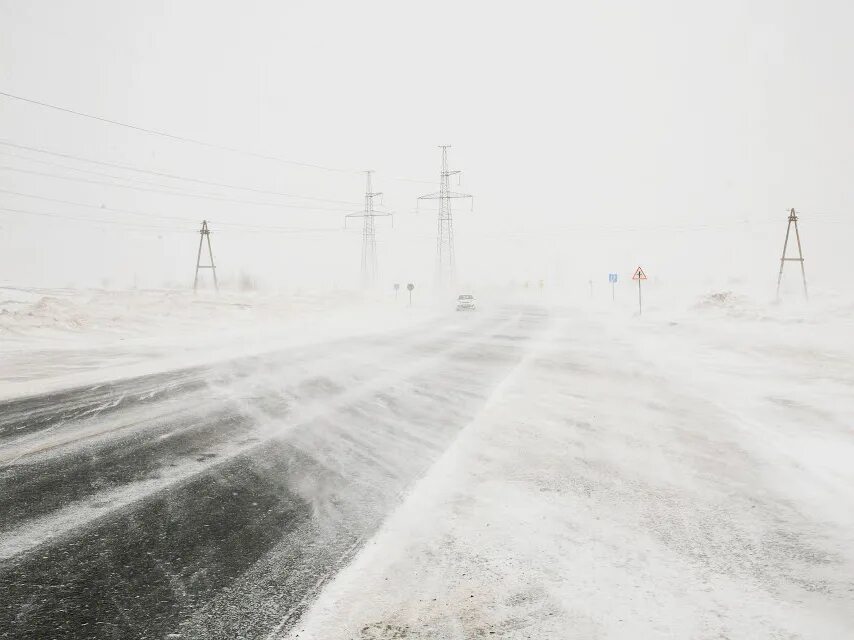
column 446, row 261
column 205, row 233
column 793, row 220
column 369, row 233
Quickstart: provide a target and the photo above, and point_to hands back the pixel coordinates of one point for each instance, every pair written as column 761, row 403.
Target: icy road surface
column 520, row 473
column 215, row 502
column 632, row 479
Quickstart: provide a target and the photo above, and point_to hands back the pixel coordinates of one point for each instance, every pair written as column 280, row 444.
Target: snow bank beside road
column 62, row 337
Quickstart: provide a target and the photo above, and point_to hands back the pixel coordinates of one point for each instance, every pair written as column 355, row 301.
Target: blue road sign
column 612, row 277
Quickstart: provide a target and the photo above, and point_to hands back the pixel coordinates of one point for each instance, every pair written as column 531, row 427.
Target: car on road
column 465, row 302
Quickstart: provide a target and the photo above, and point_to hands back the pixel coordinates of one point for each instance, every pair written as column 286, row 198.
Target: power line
column 95, row 206
column 171, row 136
column 266, row 229
column 235, row 225
column 171, row 188
column 203, row 143
column 168, row 192
column 90, row 220
column 410, row 180
column 92, row 172
column 164, row 174
column 210, row 145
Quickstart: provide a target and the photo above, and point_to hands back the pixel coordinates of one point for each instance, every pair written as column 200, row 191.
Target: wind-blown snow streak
column 659, row 478
column 301, row 411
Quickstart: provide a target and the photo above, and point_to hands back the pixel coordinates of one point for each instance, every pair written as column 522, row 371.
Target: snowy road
column 525, row 472
column 215, row 502
column 684, row 475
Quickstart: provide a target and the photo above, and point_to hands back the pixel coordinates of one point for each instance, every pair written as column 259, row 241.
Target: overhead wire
column 166, row 191
column 233, row 225
column 164, row 174
column 172, row 136
column 100, row 174
column 190, row 140
column 90, row 220
column 100, row 207
column 139, row 225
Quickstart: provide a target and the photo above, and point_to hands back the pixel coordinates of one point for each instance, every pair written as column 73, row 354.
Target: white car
column 465, row 302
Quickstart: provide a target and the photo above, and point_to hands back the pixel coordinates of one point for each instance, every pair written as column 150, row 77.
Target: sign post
column 639, row 275
column 409, row 288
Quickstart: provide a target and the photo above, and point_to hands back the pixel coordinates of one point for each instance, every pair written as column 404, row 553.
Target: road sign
column 639, row 276
column 409, row 288
column 612, row 277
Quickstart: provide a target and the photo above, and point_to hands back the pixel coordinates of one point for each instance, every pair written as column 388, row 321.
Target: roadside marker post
column 612, row 278
column 639, row 276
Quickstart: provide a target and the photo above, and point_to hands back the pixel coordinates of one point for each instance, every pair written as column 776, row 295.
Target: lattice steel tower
column 369, row 234
column 446, row 261
column 793, row 220
column 205, row 233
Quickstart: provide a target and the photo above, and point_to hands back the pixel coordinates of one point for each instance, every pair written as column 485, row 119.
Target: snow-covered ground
column 685, row 474
column 56, row 338
column 682, row 474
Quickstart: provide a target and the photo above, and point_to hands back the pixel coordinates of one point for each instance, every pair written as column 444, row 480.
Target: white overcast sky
column 594, row 136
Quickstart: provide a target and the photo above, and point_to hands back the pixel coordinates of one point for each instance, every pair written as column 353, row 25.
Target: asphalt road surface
column 216, row 502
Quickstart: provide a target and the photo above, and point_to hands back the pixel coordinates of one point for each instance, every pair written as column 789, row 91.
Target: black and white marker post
column 639, row 275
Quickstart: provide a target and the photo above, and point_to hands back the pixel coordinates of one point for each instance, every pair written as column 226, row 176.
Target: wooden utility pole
column 793, row 220
column 205, row 233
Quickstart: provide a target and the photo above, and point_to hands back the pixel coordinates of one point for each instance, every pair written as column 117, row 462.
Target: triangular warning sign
column 639, row 275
